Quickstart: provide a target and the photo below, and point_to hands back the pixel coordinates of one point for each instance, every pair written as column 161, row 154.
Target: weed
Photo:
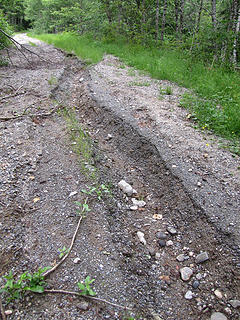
column 85, row 288
column 166, row 91
column 32, row 44
column 122, row 66
column 52, row 81
column 16, row 288
column 84, row 208
column 99, row 191
column 3, row 62
column 131, row 72
column 63, row 252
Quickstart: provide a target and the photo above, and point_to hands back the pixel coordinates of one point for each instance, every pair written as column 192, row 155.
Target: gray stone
column 188, row 295
column 202, row 257
column 161, row 235
column 83, row 305
column 172, row 230
column 139, row 203
column 196, row 284
column 199, row 276
column 218, row 316
column 125, row 187
column 162, row 243
column 186, row 273
column 181, row 257
column 151, row 251
column 235, row 303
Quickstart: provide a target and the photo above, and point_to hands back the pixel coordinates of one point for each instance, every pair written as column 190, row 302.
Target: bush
column 4, row 42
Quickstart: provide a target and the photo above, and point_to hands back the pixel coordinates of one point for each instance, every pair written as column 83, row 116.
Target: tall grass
column 215, row 101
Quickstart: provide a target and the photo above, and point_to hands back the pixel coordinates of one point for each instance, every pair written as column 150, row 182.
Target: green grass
column 215, row 102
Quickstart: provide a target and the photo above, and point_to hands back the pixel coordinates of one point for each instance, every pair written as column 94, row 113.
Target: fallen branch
column 12, row 95
column 16, row 44
column 67, row 254
column 87, row 297
column 2, row 311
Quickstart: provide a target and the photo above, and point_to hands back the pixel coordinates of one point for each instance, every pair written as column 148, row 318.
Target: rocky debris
column 218, row 316
column 181, row 257
column 138, row 203
column 162, row 243
column 161, row 235
column 141, row 237
column 195, row 284
column 125, row 187
column 172, row 231
column 235, row 303
column 202, row 257
column 188, row 295
column 186, row 273
column 76, row 260
column 218, row 294
column 169, row 243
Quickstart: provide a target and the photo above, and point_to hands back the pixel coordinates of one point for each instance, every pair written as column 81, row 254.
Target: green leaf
column 37, row 289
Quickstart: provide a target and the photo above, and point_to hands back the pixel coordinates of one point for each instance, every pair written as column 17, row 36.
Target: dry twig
column 87, row 297
column 12, row 95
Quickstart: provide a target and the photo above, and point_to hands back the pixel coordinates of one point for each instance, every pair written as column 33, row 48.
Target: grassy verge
column 215, row 102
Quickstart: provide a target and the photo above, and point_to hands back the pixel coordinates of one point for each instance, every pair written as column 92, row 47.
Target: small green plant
column 16, row 288
column 99, row 191
column 131, row 72
column 63, row 252
column 83, row 208
column 52, row 80
column 85, row 287
column 3, row 62
column 166, row 91
column 32, row 44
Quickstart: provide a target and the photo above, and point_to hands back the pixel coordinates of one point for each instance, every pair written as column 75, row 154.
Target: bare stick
column 67, row 254
column 87, row 297
column 12, row 95
column 2, row 311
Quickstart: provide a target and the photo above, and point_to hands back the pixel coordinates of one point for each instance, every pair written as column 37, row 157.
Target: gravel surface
column 169, row 249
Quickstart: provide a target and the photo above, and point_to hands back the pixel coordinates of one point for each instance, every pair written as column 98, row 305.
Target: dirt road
column 169, row 250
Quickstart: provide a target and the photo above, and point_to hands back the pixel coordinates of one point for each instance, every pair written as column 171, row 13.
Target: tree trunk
column 234, row 56
column 157, row 20
column 177, row 16
column 163, row 20
column 214, row 15
column 181, row 15
column 199, row 16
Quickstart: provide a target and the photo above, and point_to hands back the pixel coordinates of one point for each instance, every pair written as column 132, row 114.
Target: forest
column 205, row 28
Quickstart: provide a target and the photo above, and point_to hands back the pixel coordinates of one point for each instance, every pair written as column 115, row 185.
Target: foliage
column 63, row 252
column 98, row 190
column 16, row 288
column 85, row 287
column 4, row 42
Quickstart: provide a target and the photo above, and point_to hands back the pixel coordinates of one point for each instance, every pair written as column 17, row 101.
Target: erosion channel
column 67, row 128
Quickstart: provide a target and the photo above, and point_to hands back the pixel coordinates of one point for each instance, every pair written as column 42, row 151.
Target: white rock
column 8, row 312
column 186, row 273
column 125, row 187
column 133, row 208
column 73, row 193
column 139, row 203
column 218, row 294
column 76, row 260
column 141, row 237
column 188, row 295
column 218, row 316
column 169, row 243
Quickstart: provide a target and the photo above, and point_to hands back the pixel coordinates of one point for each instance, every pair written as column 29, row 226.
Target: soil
column 187, row 181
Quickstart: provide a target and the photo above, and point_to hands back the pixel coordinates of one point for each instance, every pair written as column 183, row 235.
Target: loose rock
column 186, row 273
column 172, row 230
column 195, row 284
column 218, row 294
column 202, row 257
column 218, row 316
column 162, row 243
column 83, row 305
column 235, row 303
column 141, row 237
column 138, row 203
column 188, row 295
column 161, row 235
column 125, row 187
column 181, row 257
column 76, row 260
column 169, row 243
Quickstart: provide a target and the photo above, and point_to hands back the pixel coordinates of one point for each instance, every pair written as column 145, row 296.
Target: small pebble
column 202, row 257
column 133, row 208
column 141, row 237
column 162, row 243
column 218, row 316
column 83, row 305
column 151, row 251
column 139, row 203
column 169, row 243
column 235, row 303
column 196, row 284
column 199, row 276
column 186, row 273
column 188, row 295
column 181, row 257
column 161, row 235
column 218, row 294
column 172, row 230
column 125, row 187
column 76, row 260
column 8, row 312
